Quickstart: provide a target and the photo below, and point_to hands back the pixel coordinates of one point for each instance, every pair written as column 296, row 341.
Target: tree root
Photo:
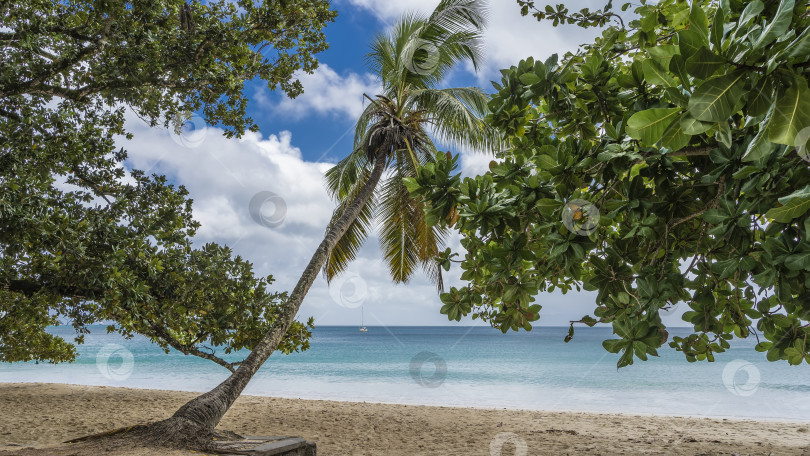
column 173, row 433
column 122, row 430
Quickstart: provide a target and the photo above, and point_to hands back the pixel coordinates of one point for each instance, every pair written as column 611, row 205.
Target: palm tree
column 392, row 139
column 411, row 61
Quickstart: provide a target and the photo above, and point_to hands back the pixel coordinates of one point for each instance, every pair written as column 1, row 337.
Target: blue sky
column 347, row 37
column 300, row 139
column 355, row 27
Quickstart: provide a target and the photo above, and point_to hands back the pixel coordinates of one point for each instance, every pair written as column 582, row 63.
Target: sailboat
column 362, row 323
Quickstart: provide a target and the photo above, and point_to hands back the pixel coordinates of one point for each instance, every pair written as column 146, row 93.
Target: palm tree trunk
column 206, row 410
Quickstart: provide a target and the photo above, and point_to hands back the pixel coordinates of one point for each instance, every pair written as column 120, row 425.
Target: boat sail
column 362, row 323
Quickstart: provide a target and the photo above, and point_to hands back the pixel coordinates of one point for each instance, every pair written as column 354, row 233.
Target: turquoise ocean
column 460, row 366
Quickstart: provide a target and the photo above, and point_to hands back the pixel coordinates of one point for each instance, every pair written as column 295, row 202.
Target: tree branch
column 692, row 152
column 30, row 287
column 191, row 350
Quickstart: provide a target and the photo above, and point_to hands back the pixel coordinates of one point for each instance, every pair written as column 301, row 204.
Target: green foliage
column 560, row 14
column 678, row 141
column 82, row 241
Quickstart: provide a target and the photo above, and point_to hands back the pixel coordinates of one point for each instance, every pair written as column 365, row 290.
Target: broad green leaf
column 649, row 22
column 663, row 53
column 640, row 350
column 678, row 16
column 777, row 26
column 716, row 34
column 704, row 63
column 545, row 162
column 793, row 205
column 547, row 206
column 800, row 47
column 529, row 78
column 689, row 43
column 637, row 71
column 752, row 9
column 798, row 261
column 411, row 184
column 699, row 23
column 674, row 138
column 626, row 81
column 773, row 354
column 723, row 134
column 760, row 98
column 718, row 98
column 626, row 359
column 677, row 66
column 807, row 228
column 540, row 69
column 794, row 356
column 740, row 49
column 791, row 113
column 654, row 73
column 676, row 96
column 745, row 172
column 591, row 65
column 715, row 216
column 610, row 130
column 551, row 151
column 725, row 268
column 613, row 345
column 760, row 146
column 648, row 126
column 692, row 126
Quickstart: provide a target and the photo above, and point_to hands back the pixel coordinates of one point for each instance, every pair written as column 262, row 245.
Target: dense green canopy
column 83, row 240
column 665, row 163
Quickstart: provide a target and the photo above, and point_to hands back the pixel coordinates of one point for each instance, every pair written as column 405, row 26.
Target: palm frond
column 342, row 178
column 345, row 251
column 407, row 241
column 457, row 117
column 362, row 125
column 382, row 58
column 420, row 50
column 387, row 53
column 455, row 15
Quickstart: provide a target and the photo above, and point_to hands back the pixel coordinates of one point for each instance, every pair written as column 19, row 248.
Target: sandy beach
column 43, row 415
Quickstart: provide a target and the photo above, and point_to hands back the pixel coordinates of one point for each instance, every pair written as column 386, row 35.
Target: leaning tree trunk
column 203, row 413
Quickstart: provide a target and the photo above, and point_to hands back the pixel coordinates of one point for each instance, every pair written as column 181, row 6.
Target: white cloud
column 474, row 164
column 390, row 10
column 222, row 175
column 328, row 92
column 511, row 38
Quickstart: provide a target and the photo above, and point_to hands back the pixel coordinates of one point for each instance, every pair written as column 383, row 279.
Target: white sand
column 43, row 415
